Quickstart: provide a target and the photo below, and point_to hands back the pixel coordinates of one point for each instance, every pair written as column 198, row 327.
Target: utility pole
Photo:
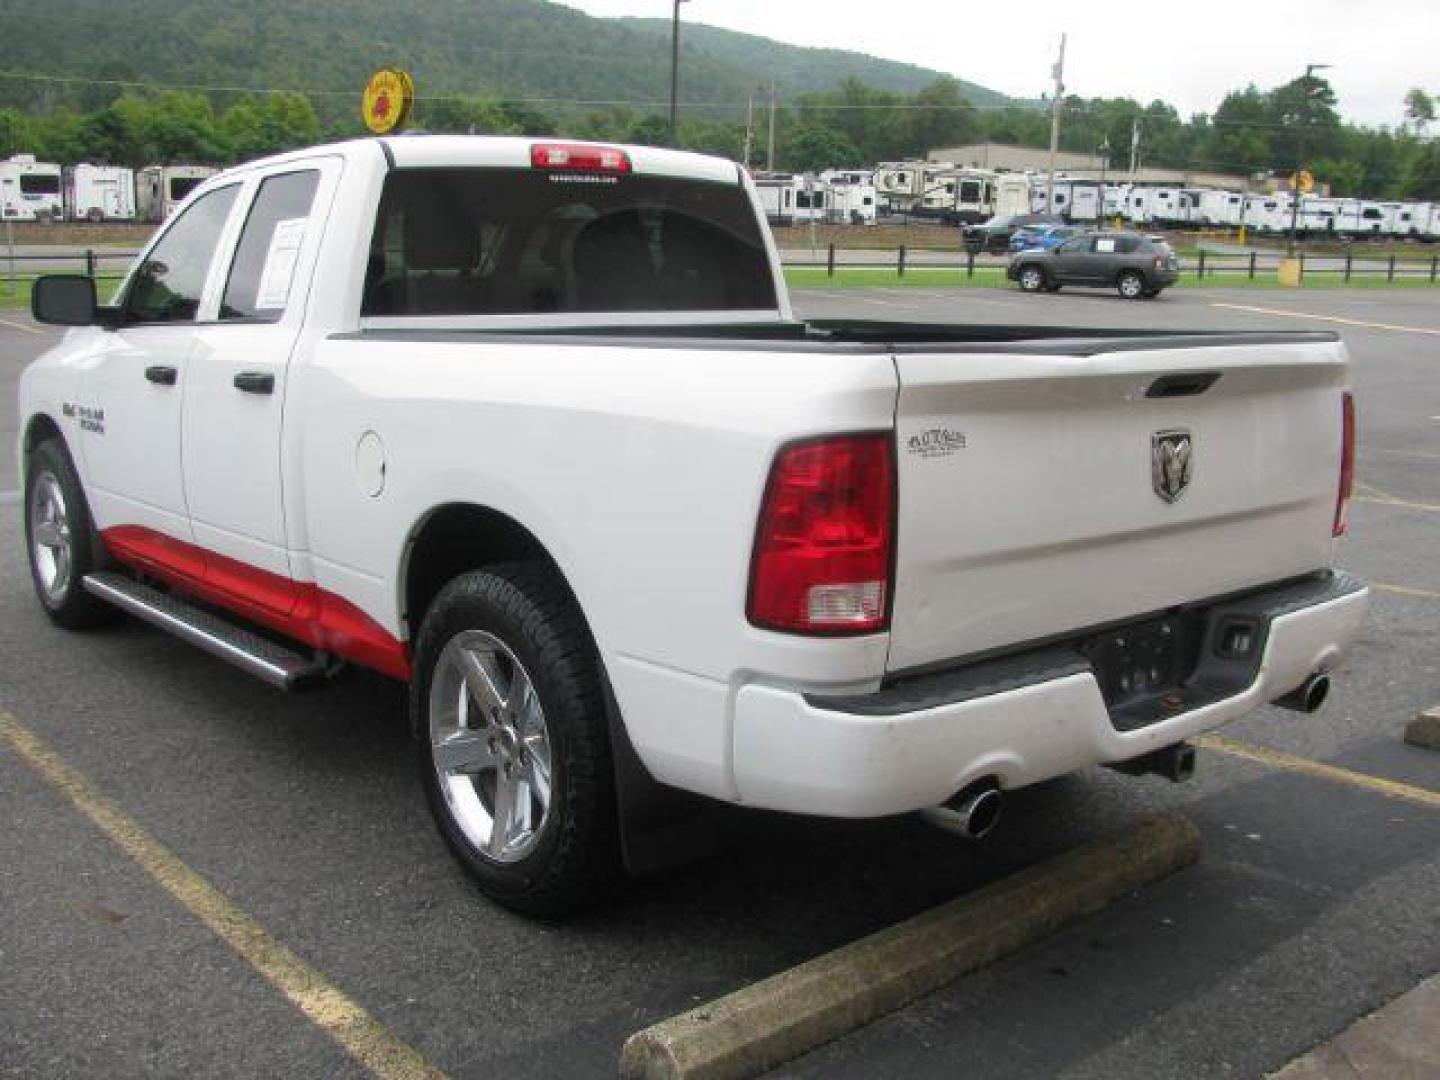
column 770, row 148
column 674, row 69
column 1134, row 148
column 1295, row 191
column 1058, row 72
column 749, row 127
column 1104, row 167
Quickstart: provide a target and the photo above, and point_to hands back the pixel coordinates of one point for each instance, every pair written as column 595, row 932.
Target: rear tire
column 1130, row 285
column 1031, row 278
column 515, row 757
column 61, row 541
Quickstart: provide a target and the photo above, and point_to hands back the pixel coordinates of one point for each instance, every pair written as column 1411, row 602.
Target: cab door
column 236, row 393
column 1073, row 260
column 129, row 400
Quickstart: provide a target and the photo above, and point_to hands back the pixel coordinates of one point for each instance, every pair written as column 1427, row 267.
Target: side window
column 1079, row 245
column 168, row 285
column 260, row 276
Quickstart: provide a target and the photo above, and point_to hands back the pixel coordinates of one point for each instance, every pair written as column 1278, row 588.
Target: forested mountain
column 793, row 67
column 511, row 48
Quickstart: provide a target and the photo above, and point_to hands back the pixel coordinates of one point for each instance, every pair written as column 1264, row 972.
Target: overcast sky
column 1188, row 52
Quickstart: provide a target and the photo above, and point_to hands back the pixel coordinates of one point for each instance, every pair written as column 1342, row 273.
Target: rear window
column 490, row 241
column 39, row 184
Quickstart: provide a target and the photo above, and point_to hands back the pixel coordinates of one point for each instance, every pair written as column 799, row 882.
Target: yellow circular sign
column 389, row 97
column 1303, row 182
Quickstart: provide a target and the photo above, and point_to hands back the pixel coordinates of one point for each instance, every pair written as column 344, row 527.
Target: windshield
column 488, row 241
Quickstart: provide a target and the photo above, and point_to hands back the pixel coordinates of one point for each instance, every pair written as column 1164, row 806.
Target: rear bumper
column 1022, row 720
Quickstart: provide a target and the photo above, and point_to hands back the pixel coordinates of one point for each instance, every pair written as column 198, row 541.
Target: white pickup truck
column 530, row 425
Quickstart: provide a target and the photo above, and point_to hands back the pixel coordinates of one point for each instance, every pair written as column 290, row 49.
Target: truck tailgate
column 1028, row 500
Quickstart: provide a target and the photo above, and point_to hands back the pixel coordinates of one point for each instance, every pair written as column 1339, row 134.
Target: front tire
column 1031, row 278
column 515, row 760
column 1130, row 285
column 61, row 540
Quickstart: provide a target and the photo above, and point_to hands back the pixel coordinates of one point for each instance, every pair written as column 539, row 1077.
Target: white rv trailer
column 1412, row 220
column 923, row 188
column 1267, row 213
column 777, row 197
column 30, row 190
column 1220, row 209
column 1086, row 202
column 159, row 189
column 1115, row 198
column 848, row 176
column 99, row 193
column 1012, row 194
column 852, row 204
column 1040, row 197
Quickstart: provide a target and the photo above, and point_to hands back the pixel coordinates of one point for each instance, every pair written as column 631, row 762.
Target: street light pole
column 674, row 68
column 1300, row 153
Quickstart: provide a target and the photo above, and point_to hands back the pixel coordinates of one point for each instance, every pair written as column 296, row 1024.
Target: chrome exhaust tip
column 1309, row 695
column 972, row 814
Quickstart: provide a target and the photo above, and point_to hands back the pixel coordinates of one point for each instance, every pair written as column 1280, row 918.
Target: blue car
column 1043, row 237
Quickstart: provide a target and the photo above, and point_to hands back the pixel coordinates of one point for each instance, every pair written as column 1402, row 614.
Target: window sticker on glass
column 280, row 263
column 1104, row 244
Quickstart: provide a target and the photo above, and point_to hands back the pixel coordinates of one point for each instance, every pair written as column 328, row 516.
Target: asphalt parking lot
column 1316, row 900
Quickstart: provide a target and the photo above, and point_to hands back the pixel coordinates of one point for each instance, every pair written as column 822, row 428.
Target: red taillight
column 1347, row 463
column 822, row 550
column 579, row 157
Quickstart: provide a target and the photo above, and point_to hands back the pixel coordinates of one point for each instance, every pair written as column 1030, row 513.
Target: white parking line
column 1286, row 313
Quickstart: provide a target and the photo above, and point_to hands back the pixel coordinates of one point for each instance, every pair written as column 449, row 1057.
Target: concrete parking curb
column 1424, row 730
column 773, row 1021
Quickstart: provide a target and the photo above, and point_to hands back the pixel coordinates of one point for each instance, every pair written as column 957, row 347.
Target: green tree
column 813, row 147
column 1419, row 109
column 942, row 117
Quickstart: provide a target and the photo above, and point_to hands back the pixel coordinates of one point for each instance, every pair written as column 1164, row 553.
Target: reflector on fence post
column 900, row 266
column 1349, row 258
column 1200, row 269
column 1252, row 264
column 830, row 261
column 970, row 265
column 1390, row 274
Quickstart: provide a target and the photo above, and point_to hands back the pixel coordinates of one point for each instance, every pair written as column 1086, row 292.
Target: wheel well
column 457, row 538
column 40, row 428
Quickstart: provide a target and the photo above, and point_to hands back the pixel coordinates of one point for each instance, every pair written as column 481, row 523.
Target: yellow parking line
column 1404, row 504
column 1329, row 318
column 320, row 1001
column 1291, row 763
column 1405, row 590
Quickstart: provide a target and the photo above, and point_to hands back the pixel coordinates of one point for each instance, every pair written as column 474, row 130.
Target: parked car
column 1138, row 267
column 1042, row 236
column 994, row 235
column 529, row 425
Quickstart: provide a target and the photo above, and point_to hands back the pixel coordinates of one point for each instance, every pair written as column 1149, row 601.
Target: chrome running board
column 259, row 656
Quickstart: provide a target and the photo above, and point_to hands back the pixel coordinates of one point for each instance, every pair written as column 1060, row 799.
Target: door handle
column 255, row 382
column 162, row 374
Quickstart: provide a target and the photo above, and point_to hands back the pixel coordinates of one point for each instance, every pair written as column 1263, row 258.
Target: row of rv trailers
column 957, row 196
column 33, row 190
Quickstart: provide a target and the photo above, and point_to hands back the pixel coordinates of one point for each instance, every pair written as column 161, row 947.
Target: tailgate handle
column 1187, row 385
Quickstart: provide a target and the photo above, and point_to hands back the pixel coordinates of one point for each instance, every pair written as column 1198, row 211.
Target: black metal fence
column 109, row 265
column 1199, row 265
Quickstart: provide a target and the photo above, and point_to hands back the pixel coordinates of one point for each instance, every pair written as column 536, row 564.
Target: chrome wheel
column 50, row 542
column 490, row 746
column 1031, row 279
column 1131, row 286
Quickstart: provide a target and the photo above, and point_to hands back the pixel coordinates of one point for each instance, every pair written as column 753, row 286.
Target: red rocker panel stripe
column 298, row 609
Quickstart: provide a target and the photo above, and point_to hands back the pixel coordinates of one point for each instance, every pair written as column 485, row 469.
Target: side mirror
column 64, row 300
